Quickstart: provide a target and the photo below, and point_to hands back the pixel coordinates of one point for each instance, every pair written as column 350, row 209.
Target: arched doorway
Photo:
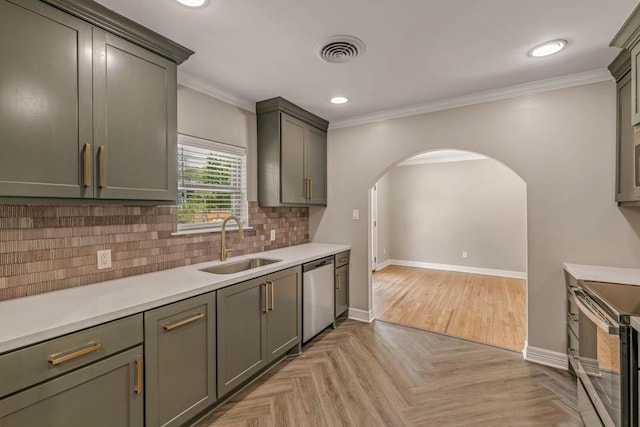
column 448, row 246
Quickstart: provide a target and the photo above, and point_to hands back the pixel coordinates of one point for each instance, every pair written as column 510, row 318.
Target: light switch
column 273, row 235
column 356, row 214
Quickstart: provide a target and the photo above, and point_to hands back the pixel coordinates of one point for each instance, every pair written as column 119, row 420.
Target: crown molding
column 201, row 85
column 555, row 83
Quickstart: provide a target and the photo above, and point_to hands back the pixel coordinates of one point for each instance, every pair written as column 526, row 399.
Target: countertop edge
column 597, row 273
column 40, row 334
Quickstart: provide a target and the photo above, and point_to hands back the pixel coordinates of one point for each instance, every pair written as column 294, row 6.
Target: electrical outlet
column 104, row 259
column 464, row 254
column 273, row 235
column 356, row 214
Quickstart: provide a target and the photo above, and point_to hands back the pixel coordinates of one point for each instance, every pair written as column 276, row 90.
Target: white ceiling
column 417, row 50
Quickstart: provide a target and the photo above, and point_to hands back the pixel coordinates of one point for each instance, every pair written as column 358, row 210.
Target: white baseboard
column 545, row 357
column 361, row 315
column 459, row 268
column 382, row 265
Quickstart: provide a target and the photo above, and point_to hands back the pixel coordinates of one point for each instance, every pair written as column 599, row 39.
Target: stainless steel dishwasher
column 318, row 309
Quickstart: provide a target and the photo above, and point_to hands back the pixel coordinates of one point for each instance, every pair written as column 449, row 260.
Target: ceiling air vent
column 341, row 49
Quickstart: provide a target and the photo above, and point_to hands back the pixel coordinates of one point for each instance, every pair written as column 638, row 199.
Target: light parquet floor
column 382, row 374
column 486, row 309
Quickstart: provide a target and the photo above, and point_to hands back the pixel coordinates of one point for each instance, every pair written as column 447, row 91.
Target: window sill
column 207, row 230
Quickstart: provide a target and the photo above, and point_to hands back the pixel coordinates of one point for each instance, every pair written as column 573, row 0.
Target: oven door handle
column 596, row 318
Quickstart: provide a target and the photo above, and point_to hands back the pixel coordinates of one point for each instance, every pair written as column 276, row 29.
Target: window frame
column 219, row 147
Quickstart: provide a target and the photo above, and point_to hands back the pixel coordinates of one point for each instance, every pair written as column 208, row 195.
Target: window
column 211, row 183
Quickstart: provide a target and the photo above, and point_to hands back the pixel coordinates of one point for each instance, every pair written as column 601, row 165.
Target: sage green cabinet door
column 284, row 317
column 242, row 333
column 342, row 290
column 635, row 87
column 180, row 360
column 135, row 117
column 103, row 394
column 292, row 175
column 316, row 165
column 45, row 101
column 625, row 150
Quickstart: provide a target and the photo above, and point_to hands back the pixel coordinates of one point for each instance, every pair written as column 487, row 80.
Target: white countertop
column 596, row 273
column 635, row 323
column 36, row 318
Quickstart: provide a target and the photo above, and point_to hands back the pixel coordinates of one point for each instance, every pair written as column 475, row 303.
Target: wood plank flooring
column 382, row 374
column 486, row 309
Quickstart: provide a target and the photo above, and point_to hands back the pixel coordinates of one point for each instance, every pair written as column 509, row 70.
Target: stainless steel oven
column 600, row 355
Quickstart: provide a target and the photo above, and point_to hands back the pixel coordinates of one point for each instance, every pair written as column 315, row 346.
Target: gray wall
column 562, row 143
column 384, row 220
column 206, row 117
column 442, row 209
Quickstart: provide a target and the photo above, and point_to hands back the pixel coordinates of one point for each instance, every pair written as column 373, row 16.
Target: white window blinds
column 211, row 183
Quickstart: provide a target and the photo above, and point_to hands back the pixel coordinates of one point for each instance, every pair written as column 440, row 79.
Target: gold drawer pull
column 87, row 165
column 102, row 157
column 273, row 296
column 345, row 259
column 266, row 297
column 183, row 322
column 138, row 388
column 310, row 189
column 53, row 360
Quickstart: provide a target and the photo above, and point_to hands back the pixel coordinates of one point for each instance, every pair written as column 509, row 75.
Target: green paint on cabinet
column 180, row 360
column 85, row 113
column 103, row 394
column 258, row 321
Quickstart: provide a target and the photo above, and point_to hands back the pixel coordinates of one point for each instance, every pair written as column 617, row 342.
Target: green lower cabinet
column 102, row 394
column 258, row 321
column 284, row 316
column 180, row 360
column 242, row 333
column 342, row 289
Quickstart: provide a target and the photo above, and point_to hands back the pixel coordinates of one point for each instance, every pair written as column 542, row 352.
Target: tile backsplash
column 47, row 248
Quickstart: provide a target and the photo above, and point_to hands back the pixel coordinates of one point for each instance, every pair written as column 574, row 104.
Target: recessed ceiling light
column 339, row 100
column 548, row 48
column 193, row 3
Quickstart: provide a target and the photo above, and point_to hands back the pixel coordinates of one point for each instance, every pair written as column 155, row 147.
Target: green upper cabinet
column 84, row 112
column 628, row 37
column 135, row 134
column 292, row 155
column 45, row 101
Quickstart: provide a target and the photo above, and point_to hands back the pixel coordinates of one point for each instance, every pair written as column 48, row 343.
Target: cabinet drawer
column 23, row 368
column 342, row 258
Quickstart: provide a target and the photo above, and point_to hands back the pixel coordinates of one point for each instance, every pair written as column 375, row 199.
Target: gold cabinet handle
column 310, row 189
column 183, row 322
column 266, row 297
column 53, row 360
column 138, row 388
column 87, row 165
column 102, row 158
column 306, row 190
column 273, row 296
column 345, row 259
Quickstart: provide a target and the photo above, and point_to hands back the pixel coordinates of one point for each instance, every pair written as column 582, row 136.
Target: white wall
column 442, row 209
column 562, row 143
column 207, row 117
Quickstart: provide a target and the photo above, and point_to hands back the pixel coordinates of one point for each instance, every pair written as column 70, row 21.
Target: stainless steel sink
column 238, row 266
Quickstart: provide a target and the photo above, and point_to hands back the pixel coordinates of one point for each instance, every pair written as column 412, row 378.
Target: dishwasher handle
column 317, row 264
